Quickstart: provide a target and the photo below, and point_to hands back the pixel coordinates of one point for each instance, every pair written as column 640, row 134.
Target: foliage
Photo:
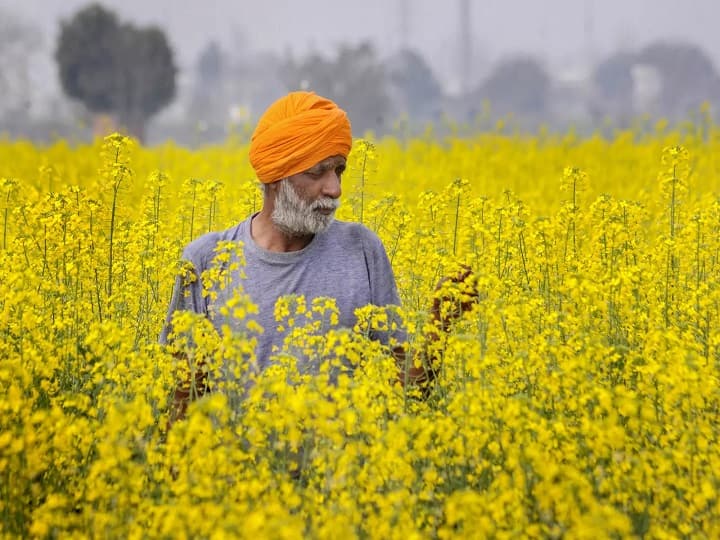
column 87, row 56
column 684, row 75
column 355, row 78
column 613, row 77
column 414, row 81
column 578, row 398
column 687, row 74
column 115, row 68
column 519, row 84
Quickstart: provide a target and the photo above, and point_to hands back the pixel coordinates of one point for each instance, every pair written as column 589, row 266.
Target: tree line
column 129, row 73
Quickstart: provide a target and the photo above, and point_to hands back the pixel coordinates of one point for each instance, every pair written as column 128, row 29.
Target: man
column 294, row 246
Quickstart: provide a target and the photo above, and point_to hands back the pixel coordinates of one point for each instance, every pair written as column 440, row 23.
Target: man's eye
column 339, row 171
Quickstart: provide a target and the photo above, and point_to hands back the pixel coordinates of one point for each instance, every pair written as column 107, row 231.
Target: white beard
column 295, row 216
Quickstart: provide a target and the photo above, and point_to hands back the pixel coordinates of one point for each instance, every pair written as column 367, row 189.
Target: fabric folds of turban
column 296, row 133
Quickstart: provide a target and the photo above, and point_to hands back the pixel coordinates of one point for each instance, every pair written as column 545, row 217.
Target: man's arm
column 191, row 388
column 446, row 309
column 186, row 296
column 453, row 296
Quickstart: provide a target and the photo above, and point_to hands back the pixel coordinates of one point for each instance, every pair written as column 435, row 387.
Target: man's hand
column 453, row 296
column 186, row 391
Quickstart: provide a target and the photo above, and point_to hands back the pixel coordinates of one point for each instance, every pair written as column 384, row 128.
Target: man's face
column 305, row 203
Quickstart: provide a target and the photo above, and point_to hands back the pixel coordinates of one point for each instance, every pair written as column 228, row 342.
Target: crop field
column 578, row 398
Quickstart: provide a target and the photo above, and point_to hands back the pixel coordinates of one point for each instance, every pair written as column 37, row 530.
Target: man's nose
column 331, row 185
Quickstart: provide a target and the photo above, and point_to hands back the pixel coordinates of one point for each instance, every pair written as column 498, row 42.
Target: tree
column 613, row 76
column 115, row 68
column 517, row 85
column 355, row 79
column 88, row 55
column 211, row 64
column 209, row 102
column 413, row 82
column 149, row 74
column 687, row 75
column 614, row 85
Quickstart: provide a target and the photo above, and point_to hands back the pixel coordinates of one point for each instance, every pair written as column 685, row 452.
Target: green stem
column 112, row 235
column 192, row 210
column 5, row 220
column 457, row 219
column 116, row 188
column 671, row 263
column 499, row 236
column 524, row 257
column 672, row 204
column 362, row 185
column 667, row 288
column 574, row 212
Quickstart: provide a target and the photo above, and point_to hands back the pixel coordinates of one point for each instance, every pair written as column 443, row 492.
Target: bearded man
column 294, row 245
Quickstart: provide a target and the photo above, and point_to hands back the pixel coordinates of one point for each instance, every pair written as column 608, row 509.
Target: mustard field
column 578, row 398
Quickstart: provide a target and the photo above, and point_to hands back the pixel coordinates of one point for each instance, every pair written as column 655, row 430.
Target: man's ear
column 274, row 186
column 269, row 189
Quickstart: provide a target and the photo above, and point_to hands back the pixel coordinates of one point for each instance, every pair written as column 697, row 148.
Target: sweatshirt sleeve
column 187, row 294
column 383, row 288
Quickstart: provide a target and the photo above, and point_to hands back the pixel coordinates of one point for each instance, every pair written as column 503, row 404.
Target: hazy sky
column 565, row 32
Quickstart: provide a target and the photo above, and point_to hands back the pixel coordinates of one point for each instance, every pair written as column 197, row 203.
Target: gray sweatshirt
column 346, row 262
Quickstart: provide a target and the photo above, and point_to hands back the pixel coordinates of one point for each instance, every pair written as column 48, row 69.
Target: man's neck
column 266, row 235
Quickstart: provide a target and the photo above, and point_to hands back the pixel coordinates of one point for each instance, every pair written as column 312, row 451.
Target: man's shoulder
column 202, row 249
column 352, row 233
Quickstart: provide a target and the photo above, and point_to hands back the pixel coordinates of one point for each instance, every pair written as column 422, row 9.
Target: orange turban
column 297, row 132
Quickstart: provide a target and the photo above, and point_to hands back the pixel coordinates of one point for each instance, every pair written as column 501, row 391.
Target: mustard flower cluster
column 578, row 395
